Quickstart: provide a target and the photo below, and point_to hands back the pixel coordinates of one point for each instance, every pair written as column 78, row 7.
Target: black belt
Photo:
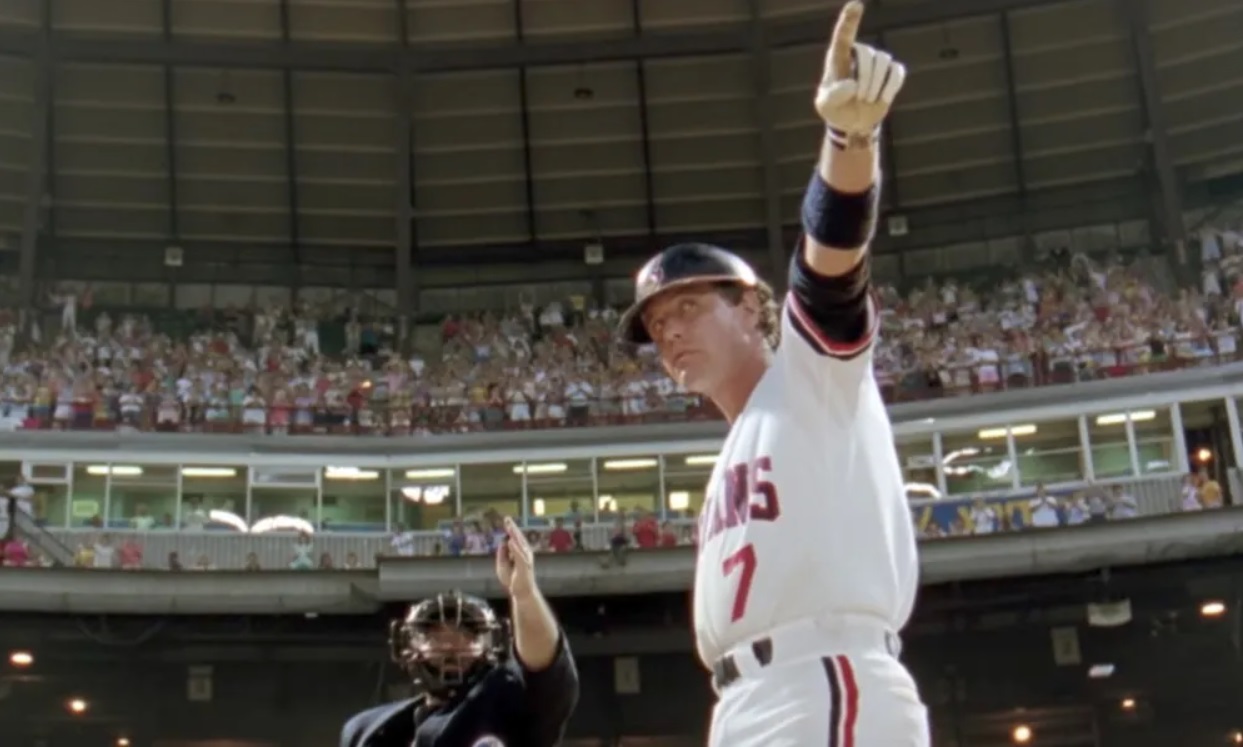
column 725, row 669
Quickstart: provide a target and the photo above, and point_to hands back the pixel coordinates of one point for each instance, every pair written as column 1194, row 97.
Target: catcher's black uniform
column 509, row 706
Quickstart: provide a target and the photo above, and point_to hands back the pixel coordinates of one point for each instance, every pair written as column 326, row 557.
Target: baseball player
column 807, row 567
column 472, row 689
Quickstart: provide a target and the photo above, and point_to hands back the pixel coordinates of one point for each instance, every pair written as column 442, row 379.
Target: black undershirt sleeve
column 838, row 308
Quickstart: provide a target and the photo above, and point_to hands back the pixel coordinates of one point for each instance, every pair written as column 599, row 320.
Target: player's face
column 450, row 648
column 699, row 335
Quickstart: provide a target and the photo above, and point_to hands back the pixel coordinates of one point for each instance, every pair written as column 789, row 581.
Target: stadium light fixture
column 548, row 468
column 1022, row 734
column 629, row 464
column 435, row 473
column 1213, row 608
column 208, row 472
column 21, row 659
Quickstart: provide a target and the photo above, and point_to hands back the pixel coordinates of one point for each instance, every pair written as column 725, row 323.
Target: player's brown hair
column 770, row 312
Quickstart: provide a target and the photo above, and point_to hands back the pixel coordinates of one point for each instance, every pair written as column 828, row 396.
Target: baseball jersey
column 805, row 514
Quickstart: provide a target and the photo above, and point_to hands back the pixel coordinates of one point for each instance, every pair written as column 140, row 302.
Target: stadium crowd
column 263, row 370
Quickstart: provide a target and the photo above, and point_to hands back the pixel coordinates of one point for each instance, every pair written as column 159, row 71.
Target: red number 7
column 744, row 558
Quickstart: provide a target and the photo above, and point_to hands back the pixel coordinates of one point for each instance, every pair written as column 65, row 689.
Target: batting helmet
column 678, row 266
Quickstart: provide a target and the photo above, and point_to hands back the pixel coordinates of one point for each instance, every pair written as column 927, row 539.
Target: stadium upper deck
column 289, row 143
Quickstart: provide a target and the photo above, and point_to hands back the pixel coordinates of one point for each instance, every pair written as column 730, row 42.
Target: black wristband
column 839, row 219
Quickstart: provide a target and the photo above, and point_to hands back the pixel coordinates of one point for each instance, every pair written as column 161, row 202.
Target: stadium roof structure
column 435, row 135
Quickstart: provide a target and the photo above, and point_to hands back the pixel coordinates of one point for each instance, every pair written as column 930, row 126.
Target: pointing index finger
column 844, row 35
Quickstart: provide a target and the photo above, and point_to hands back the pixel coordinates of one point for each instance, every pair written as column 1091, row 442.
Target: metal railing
column 229, row 550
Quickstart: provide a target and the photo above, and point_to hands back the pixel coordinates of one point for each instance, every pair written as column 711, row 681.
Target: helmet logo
column 652, row 280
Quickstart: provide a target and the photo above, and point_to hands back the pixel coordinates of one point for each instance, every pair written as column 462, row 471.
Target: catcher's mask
column 446, row 642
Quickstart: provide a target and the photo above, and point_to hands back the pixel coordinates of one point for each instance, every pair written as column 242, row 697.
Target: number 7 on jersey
column 744, row 562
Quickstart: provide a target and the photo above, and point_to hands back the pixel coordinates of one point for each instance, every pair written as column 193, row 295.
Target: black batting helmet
column 676, row 267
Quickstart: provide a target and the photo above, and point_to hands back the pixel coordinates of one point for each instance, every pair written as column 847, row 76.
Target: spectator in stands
column 646, row 531
column 16, row 554
column 1122, row 505
column 1045, row 511
column 129, row 554
column 1210, row 490
column 303, row 553
column 559, row 538
column 104, row 554
column 1191, row 493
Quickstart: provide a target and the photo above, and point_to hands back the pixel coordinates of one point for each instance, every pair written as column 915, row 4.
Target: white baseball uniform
column 807, row 563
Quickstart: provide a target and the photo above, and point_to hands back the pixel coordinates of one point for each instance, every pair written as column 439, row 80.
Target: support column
column 1012, row 104
column 406, row 236
column 649, row 184
column 36, row 175
column 291, row 160
column 1169, row 212
column 170, row 153
column 761, row 78
column 524, row 112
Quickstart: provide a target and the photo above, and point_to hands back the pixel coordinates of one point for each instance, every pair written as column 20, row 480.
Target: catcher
column 475, row 687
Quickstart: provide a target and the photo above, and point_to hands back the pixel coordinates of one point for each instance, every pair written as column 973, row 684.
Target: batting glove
column 859, row 83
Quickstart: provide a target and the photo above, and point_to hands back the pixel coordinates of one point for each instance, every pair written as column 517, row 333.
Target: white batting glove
column 859, row 83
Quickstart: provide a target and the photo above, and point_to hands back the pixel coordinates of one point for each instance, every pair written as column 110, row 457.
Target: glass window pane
column 1111, row 456
column 354, row 500
column 423, row 497
column 1154, row 441
column 568, row 495
column 86, row 504
column 686, row 478
column 51, row 504
column 142, row 496
column 919, row 466
column 628, row 484
column 976, row 462
column 9, row 472
column 492, row 487
column 1050, row 454
column 281, row 505
column 207, row 488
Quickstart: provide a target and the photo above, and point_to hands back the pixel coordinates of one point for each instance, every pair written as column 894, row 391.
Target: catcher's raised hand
column 515, row 561
column 859, row 82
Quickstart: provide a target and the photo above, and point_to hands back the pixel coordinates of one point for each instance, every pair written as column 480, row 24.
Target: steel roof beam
column 720, row 39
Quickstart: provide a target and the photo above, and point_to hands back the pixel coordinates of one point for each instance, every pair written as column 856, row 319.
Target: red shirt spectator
column 646, row 532
column 16, row 554
column 560, row 539
column 131, row 555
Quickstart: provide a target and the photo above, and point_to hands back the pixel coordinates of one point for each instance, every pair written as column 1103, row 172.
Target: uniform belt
column 726, row 670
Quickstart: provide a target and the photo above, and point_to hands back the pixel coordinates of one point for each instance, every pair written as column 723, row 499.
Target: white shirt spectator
column 1044, row 511
column 105, row 554
column 984, row 519
column 403, row 544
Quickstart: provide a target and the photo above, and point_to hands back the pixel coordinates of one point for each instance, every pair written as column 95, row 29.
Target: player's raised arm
column 830, row 275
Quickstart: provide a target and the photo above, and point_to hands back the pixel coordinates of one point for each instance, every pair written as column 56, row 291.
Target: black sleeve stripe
column 815, row 337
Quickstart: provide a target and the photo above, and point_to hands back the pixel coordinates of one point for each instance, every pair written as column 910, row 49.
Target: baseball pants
column 800, row 692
